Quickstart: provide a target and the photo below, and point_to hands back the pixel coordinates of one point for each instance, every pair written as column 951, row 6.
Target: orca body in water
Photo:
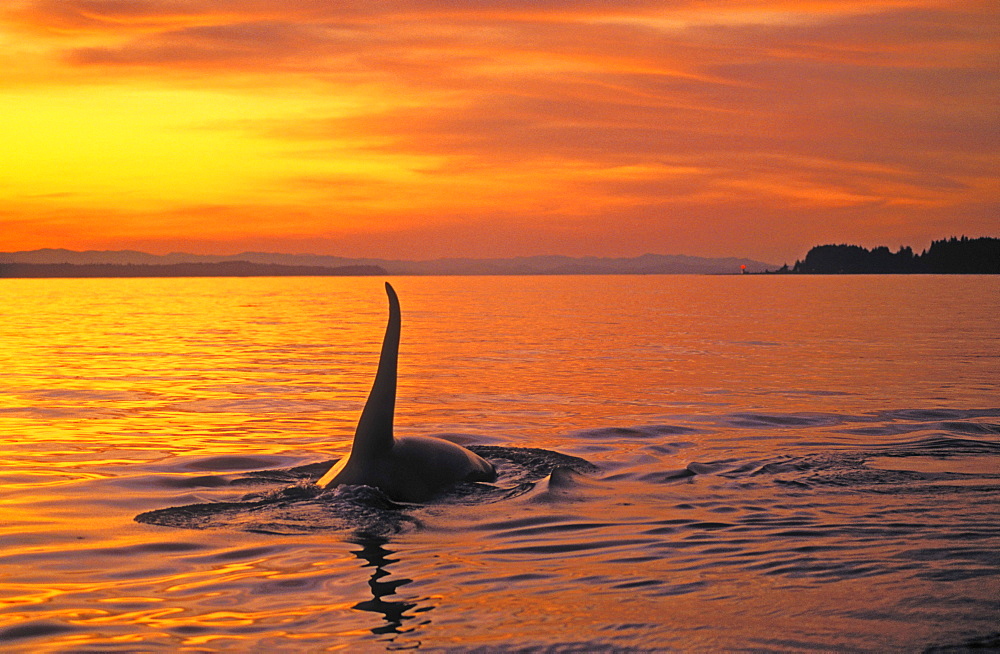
column 409, row 468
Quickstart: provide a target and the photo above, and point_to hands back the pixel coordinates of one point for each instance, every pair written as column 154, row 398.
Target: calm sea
column 783, row 463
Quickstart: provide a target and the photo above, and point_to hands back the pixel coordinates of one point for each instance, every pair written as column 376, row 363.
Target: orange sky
column 497, row 128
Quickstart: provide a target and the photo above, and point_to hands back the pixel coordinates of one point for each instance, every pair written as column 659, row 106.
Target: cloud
column 262, row 44
column 839, row 112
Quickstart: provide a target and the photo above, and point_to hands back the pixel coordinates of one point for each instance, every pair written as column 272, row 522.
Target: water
column 784, row 463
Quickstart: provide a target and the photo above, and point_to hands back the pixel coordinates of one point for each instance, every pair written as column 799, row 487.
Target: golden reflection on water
column 123, row 396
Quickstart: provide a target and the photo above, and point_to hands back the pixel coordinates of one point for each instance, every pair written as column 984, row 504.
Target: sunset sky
column 497, row 128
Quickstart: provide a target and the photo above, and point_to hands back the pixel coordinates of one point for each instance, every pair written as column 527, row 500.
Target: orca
column 408, row 468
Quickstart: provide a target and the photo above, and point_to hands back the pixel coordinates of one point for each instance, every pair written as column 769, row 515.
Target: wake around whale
column 408, row 468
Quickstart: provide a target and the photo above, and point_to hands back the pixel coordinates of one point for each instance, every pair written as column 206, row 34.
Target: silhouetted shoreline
column 954, row 256
column 951, row 256
column 218, row 269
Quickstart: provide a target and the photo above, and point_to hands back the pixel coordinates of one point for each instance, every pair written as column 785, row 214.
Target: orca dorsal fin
column 374, row 433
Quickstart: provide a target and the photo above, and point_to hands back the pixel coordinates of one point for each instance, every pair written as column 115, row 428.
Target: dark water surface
column 780, row 464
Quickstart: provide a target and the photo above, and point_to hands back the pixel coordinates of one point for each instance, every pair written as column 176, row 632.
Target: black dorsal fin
column 374, row 433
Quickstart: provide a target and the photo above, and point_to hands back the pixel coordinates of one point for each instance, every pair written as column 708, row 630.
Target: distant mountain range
column 201, row 269
column 647, row 264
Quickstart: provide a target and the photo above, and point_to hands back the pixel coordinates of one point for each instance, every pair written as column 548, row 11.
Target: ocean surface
column 779, row 463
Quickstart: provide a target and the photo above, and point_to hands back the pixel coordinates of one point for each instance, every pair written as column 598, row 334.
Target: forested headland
column 954, row 256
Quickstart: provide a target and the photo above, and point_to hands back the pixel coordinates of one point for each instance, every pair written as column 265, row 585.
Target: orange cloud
column 429, row 128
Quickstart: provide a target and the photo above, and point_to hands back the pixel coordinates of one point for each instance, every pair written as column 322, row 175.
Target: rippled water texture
column 782, row 463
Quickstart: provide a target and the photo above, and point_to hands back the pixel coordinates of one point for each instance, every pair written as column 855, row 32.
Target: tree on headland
column 965, row 255
column 953, row 256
